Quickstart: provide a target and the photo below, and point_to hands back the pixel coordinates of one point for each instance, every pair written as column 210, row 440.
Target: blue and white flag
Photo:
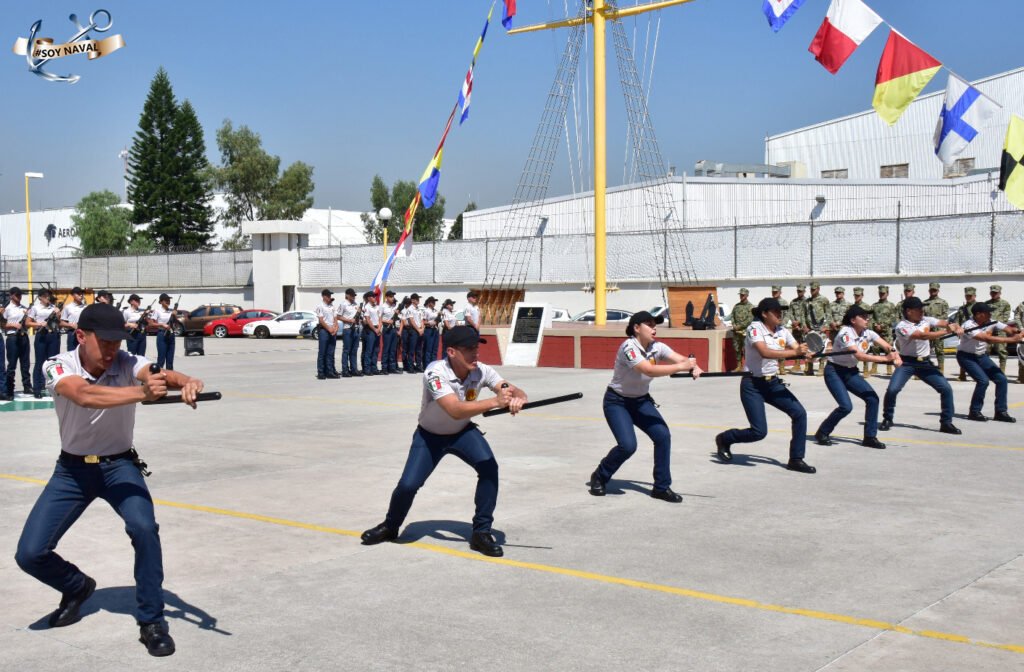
column 963, row 114
column 779, row 11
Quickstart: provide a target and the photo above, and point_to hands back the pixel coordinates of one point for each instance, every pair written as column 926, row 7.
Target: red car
column 232, row 325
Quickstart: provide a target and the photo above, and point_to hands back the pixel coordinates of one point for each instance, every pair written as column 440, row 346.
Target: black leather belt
column 94, row 459
column 907, row 358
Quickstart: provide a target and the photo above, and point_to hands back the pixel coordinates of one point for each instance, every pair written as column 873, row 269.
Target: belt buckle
column 91, row 459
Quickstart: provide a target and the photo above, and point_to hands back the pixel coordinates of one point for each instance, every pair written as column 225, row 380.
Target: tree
column 456, row 232
column 102, row 224
column 168, row 182
column 253, row 189
column 427, row 224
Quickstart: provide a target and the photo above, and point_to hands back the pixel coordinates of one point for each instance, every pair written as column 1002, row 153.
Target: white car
column 611, row 315
column 286, row 324
column 560, row 315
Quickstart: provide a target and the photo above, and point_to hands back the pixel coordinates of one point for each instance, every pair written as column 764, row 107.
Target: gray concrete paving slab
column 758, row 568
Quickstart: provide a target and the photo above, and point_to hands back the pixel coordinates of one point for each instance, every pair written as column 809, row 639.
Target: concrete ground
column 904, row 559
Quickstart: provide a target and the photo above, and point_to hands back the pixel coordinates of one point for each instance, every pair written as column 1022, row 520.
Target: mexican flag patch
column 434, row 383
column 631, row 354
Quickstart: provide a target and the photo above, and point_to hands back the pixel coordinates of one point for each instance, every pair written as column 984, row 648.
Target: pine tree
column 152, row 163
column 192, row 182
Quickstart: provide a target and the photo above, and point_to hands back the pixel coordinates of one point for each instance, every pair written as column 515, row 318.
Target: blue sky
column 358, row 88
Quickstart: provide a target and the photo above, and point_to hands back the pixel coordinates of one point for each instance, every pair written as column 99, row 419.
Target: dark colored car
column 232, row 326
column 209, row 312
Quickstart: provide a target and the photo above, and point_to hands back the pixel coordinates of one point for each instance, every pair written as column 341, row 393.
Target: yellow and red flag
column 905, row 69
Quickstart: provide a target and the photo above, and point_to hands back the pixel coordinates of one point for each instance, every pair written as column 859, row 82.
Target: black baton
column 177, row 399
column 536, row 404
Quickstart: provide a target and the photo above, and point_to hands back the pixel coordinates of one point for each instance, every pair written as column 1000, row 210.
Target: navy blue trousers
column 349, row 351
column 70, row 491
column 927, row 372
column 622, row 414
column 326, row 346
column 983, row 370
column 72, row 341
column 165, row 340
column 371, row 345
column 841, row 381
column 389, row 354
column 17, row 357
column 414, row 354
column 754, row 394
column 137, row 344
column 426, row 453
column 47, row 345
column 430, row 337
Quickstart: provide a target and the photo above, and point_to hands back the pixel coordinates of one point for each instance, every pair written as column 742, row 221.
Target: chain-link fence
column 231, row 268
column 962, row 244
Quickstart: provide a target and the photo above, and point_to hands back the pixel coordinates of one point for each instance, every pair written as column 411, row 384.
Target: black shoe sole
column 91, row 585
column 489, row 552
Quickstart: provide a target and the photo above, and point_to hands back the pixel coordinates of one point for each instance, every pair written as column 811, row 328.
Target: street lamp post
column 384, row 215
column 28, row 231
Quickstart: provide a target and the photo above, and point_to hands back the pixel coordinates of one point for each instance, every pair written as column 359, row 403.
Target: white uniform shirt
column 416, row 316
column 132, row 314
column 472, row 313
column 429, row 317
column 325, row 312
column 438, row 381
column 448, row 316
column 93, row 431
column 13, row 313
column 40, row 313
column 162, row 315
column 371, row 314
column 347, row 309
column 847, row 339
column 780, row 339
column 909, row 347
column 626, row 380
column 71, row 312
column 387, row 311
column 970, row 344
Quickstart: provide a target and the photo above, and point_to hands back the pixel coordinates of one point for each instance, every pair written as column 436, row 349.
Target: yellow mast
column 598, row 15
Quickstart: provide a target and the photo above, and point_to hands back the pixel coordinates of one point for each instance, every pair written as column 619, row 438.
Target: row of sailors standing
column 379, row 330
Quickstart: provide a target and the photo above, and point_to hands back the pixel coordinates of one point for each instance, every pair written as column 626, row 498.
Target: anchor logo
column 40, row 50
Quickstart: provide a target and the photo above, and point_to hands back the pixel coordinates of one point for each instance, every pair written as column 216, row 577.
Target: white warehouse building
column 863, row 147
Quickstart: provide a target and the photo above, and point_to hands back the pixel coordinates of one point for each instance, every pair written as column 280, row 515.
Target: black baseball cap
column 78, row 290
column 326, row 292
column 462, row 337
column 852, row 312
column 981, row 307
column 414, row 296
column 350, row 292
column 767, row 305
column 472, row 294
column 15, row 290
column 100, row 294
column 134, row 297
column 912, row 303
column 165, row 297
column 448, row 302
column 390, row 292
column 104, row 320
column 368, row 295
column 643, row 317
column 431, row 299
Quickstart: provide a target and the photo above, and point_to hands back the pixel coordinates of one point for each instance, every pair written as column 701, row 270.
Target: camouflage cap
column 858, row 291
column 744, row 291
column 801, row 287
column 883, row 288
column 995, row 288
column 815, row 285
column 840, row 289
column 776, row 288
column 933, row 285
column 970, row 290
column 909, row 287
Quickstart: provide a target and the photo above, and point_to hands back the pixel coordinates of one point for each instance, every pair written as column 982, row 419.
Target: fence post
column 433, row 262
column 735, row 248
column 108, row 272
column 992, row 244
column 540, row 262
column 812, row 250
column 898, row 236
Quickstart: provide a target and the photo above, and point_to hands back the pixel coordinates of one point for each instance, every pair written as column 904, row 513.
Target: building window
column 837, row 174
column 960, row 168
column 896, row 170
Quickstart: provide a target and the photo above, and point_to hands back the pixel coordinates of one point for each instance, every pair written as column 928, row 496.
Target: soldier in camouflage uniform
column 908, row 291
column 837, row 310
column 1018, row 318
column 797, row 318
column 858, row 300
column 963, row 314
column 741, row 316
column 936, row 307
column 883, row 319
column 1001, row 310
column 818, row 318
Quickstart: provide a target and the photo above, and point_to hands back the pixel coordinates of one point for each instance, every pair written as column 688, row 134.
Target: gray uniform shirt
column 970, row 344
column 94, row 431
column 780, row 339
column 438, row 381
column 626, row 380
column 909, row 347
column 847, row 339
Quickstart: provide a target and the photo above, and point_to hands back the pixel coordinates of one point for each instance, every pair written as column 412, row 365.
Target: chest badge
column 471, row 394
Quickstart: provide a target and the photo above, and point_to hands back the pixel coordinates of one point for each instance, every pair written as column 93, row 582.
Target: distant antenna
column 123, row 155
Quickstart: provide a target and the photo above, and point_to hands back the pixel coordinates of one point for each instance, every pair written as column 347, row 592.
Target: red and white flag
column 847, row 24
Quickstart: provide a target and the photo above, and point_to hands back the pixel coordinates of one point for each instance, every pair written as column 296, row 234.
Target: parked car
column 209, row 312
column 662, row 311
column 232, row 326
column 287, row 324
column 611, row 315
column 178, row 328
column 310, row 329
column 560, row 315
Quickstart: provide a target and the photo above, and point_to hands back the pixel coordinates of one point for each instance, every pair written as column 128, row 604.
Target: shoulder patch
column 631, row 354
column 434, row 383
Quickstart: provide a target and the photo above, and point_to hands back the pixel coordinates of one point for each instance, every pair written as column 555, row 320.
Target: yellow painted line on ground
column 1017, row 405
column 591, row 576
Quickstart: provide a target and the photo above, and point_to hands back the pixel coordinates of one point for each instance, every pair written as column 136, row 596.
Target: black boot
column 156, row 638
